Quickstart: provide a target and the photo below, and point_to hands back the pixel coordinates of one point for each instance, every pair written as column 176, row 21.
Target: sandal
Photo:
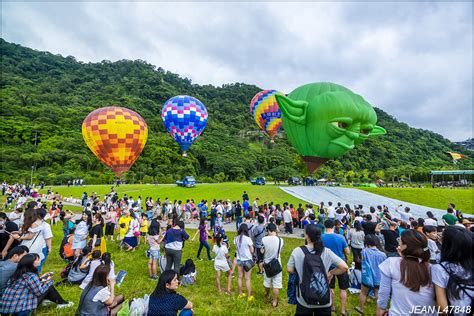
column 357, row 309
column 275, row 306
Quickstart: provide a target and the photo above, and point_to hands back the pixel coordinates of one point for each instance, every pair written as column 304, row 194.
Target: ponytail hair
column 414, row 267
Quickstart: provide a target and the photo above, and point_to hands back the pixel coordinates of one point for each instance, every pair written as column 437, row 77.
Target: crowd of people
column 409, row 265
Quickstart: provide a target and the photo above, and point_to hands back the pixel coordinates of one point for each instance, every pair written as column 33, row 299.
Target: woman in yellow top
column 123, row 224
column 144, row 228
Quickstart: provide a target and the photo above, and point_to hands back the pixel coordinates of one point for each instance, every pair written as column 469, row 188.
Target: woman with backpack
column 406, row 280
column 98, row 297
column 76, row 275
column 312, row 263
column 244, row 259
column 452, row 278
column 372, row 256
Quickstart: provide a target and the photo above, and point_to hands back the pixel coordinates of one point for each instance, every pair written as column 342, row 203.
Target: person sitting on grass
column 188, row 273
column 26, row 289
column 131, row 237
column 165, row 301
column 98, row 297
column 9, row 265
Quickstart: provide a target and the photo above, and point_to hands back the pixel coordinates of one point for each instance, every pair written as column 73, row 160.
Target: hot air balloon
column 266, row 113
column 455, row 156
column 185, row 118
column 325, row 120
column 116, row 136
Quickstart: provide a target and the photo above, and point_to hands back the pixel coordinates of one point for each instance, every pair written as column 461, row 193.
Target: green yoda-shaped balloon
column 325, row 120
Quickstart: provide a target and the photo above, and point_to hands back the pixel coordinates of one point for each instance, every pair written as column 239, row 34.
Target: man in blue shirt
column 338, row 244
column 245, row 207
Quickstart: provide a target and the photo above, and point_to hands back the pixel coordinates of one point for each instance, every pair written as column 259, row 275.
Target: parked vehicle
column 187, row 182
column 258, row 181
column 294, row 181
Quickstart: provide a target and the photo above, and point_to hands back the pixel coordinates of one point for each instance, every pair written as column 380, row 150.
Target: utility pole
column 33, row 166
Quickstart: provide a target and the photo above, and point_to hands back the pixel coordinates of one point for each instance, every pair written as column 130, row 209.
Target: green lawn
column 438, row 198
column 229, row 190
column 203, row 294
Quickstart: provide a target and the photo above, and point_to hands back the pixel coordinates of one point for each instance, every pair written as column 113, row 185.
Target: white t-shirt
column 403, row 299
column 287, row 216
column 331, row 212
column 270, row 244
column 47, row 233
column 243, row 244
column 430, row 222
column 37, row 243
column 220, row 261
column 404, row 216
column 102, row 295
column 308, row 212
column 440, row 277
column 17, row 218
column 82, row 229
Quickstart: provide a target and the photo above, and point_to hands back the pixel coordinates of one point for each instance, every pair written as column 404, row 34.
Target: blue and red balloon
column 185, row 118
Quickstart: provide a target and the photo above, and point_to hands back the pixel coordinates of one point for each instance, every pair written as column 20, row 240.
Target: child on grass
column 188, row 273
column 222, row 263
column 143, row 228
column 153, row 252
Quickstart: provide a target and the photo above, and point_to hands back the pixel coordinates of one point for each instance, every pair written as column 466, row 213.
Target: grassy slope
column 203, row 294
column 438, row 198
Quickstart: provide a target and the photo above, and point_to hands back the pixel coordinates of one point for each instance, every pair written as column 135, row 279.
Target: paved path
column 353, row 197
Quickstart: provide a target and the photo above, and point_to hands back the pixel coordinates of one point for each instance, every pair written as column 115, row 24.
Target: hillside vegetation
column 45, row 98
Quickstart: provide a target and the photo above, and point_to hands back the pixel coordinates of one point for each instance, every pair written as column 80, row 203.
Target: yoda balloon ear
column 294, row 110
column 378, row 130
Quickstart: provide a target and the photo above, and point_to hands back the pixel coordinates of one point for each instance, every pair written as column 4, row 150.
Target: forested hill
column 45, row 98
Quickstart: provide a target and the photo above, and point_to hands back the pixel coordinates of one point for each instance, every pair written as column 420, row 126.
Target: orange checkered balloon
column 116, row 136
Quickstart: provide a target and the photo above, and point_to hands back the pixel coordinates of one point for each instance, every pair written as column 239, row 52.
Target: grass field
column 205, row 298
column 232, row 191
column 203, row 294
column 438, row 198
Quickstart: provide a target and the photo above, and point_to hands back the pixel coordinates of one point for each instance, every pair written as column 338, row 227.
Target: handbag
column 273, row 267
column 247, row 264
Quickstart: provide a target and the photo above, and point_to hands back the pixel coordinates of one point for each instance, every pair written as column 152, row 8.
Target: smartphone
column 120, row 276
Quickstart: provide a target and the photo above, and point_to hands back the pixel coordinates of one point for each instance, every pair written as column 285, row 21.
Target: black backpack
column 314, row 286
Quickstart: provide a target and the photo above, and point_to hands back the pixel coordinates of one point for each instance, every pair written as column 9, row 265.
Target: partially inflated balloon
column 266, row 113
column 185, row 118
column 325, row 120
column 116, row 136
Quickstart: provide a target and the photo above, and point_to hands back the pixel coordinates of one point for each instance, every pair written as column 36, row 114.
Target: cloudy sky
column 413, row 60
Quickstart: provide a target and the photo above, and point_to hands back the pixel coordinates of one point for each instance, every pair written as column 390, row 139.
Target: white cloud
column 414, row 60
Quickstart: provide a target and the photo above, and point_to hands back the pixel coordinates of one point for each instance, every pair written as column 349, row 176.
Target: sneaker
column 243, row 295
column 250, row 298
column 65, row 305
column 46, row 303
column 199, row 259
column 259, row 273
